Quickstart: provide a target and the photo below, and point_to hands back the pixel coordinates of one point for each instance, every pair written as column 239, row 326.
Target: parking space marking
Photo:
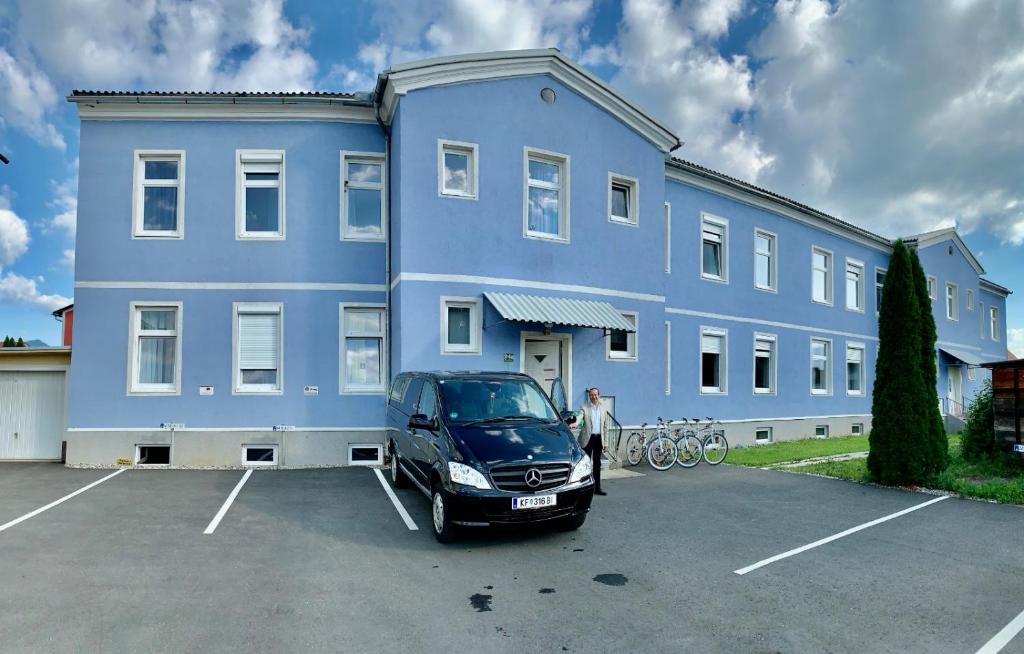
column 829, row 539
column 227, row 503
column 67, row 497
column 394, row 500
column 1000, row 640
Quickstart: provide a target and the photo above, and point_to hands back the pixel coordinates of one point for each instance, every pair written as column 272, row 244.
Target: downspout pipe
column 387, row 229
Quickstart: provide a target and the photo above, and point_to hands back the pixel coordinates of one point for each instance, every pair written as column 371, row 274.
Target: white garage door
column 31, row 415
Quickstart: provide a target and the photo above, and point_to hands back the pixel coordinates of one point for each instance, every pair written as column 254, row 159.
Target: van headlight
column 467, row 476
column 581, row 470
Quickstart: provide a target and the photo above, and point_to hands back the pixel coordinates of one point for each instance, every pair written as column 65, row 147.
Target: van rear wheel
column 398, row 478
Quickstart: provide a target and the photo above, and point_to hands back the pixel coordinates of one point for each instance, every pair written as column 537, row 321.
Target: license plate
column 533, row 502
column 1018, row 447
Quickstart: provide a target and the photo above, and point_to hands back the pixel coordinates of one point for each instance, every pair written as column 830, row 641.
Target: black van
column 487, row 448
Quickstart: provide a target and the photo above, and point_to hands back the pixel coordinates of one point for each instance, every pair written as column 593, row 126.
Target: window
column 971, row 376
column 821, row 431
column 856, row 428
column 764, row 363
column 714, row 248
column 362, row 348
column 546, row 202
column 259, row 455
column 933, row 286
column 712, row 360
column 159, row 204
column 366, row 455
column 993, row 318
column 879, row 283
column 623, row 199
column 621, row 345
column 362, row 203
column 854, row 369
column 457, row 169
column 259, row 194
column 668, row 237
column 854, row 285
column 763, row 435
column 398, row 387
column 156, row 353
column 821, row 366
column 764, row 260
column 258, row 348
column 668, row 357
column 952, row 306
column 981, row 319
column 460, row 325
column 970, row 299
column 821, row 275
column 152, row 455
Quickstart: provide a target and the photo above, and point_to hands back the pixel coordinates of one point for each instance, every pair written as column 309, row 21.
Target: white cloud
column 67, row 260
column 21, row 290
column 26, row 95
column 14, row 238
column 1015, row 341
column 65, row 202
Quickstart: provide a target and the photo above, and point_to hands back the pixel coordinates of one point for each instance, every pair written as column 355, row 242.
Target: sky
column 898, row 117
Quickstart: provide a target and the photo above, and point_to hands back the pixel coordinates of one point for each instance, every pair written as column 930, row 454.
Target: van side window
column 428, row 401
column 412, row 395
column 398, row 389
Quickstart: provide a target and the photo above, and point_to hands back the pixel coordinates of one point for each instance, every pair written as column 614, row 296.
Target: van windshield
column 494, row 400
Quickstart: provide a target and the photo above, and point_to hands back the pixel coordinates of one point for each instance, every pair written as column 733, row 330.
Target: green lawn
column 984, row 480
column 765, row 455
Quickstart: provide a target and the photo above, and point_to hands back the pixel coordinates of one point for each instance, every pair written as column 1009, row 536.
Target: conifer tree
column 900, row 429
column 20, row 343
column 938, row 445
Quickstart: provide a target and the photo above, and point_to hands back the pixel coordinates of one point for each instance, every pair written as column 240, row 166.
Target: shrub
column 978, row 438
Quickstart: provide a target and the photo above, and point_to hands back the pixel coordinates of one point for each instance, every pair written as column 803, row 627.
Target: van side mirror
column 569, row 417
column 421, row 421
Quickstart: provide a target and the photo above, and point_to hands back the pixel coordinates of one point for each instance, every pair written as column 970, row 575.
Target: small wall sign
column 206, row 390
column 509, row 357
column 172, row 425
column 124, row 462
column 311, row 390
column 1018, row 447
column 284, row 427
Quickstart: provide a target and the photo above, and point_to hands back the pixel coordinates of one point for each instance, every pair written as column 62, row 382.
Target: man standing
column 595, row 424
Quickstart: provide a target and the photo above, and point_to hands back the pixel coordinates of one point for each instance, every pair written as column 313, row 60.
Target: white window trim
column 861, row 299
column 885, row 272
column 343, row 386
column 138, row 197
column 773, row 266
column 261, row 464
column 380, row 454
column 763, row 441
column 970, row 299
column 829, row 358
column 722, row 223
column 633, row 184
column 933, row 287
column 475, row 306
column 993, row 323
column 380, row 159
column 562, row 160
column 859, row 426
column 256, row 389
column 668, row 237
column 817, row 427
column 142, row 390
column 269, row 156
column 955, row 317
column 830, row 276
column 863, row 368
column 773, row 364
column 724, row 377
column 981, row 318
column 971, row 375
column 459, row 147
column 668, row 357
column 625, row 356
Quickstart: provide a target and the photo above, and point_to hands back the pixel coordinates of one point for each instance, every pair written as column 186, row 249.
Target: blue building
column 253, row 268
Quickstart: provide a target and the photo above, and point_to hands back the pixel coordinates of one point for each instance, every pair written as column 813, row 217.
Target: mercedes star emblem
column 533, row 478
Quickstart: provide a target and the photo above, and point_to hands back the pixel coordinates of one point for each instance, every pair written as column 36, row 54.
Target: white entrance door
column 954, row 393
column 31, row 415
column 542, row 360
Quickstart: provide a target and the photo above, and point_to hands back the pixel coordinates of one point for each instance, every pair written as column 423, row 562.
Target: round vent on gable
column 547, row 95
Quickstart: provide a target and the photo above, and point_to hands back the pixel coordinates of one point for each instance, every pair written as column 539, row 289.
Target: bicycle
column 657, row 450
column 712, row 435
column 689, row 449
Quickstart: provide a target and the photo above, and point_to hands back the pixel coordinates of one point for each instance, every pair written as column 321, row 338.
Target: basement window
column 763, row 435
column 365, row 455
column 821, row 431
column 152, row 455
column 259, row 455
column 857, row 429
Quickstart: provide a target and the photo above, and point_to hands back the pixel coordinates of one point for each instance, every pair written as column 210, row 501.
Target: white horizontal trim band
column 523, row 283
column 770, row 323
column 745, row 420
column 236, row 286
column 224, row 429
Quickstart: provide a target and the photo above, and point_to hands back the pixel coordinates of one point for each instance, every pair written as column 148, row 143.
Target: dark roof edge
column 219, row 97
column 992, row 286
column 60, row 312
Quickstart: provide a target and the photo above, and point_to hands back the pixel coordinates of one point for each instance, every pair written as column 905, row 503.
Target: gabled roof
column 400, row 79
column 927, row 239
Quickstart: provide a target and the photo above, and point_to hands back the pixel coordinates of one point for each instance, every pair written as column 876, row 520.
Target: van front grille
column 513, row 477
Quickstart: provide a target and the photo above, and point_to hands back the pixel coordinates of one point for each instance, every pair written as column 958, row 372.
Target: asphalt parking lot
column 323, row 560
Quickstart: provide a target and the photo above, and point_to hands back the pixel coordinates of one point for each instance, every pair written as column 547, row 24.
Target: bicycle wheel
column 715, row 448
column 635, row 449
column 661, row 453
column 688, row 450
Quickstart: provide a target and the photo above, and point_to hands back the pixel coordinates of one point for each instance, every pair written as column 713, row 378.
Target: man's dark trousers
column 594, row 449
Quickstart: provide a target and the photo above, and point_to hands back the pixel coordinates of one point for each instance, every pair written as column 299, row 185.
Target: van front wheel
column 444, row 530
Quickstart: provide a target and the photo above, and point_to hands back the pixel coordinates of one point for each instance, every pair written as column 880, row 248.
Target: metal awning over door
column 966, row 357
column 559, row 311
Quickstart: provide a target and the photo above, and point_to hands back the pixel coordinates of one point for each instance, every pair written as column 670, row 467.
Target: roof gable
column 929, row 239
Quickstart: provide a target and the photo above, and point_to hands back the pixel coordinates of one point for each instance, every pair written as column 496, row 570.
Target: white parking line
column 1000, row 640
column 60, row 501
column 227, row 503
column 394, row 500
column 823, row 541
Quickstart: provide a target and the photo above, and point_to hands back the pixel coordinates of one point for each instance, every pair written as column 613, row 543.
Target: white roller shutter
column 259, row 336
